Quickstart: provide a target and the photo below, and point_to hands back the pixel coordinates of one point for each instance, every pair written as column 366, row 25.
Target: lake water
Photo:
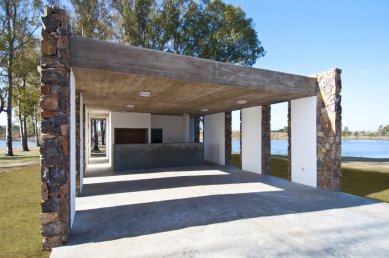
column 16, row 144
column 350, row 148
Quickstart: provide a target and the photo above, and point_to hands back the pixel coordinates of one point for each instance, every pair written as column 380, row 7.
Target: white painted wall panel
column 303, row 141
column 175, row 129
column 128, row 120
column 72, row 148
column 214, row 139
column 252, row 139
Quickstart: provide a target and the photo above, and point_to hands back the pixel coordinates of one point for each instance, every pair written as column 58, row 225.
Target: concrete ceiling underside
column 110, row 77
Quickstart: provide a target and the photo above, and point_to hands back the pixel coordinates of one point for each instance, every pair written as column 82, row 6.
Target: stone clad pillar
column 289, row 143
column 196, row 128
column 78, row 143
column 329, row 119
column 55, row 112
column 228, row 138
column 266, row 140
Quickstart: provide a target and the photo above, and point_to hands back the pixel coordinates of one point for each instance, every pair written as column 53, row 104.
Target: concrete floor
column 219, row 212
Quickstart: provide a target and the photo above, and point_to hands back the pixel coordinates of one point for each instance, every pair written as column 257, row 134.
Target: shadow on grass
column 365, row 183
column 370, row 184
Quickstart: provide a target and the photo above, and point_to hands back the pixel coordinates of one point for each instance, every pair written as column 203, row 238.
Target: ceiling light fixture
column 130, row 105
column 204, row 110
column 145, row 93
column 241, row 101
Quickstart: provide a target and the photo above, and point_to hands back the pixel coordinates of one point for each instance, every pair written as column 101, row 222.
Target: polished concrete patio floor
column 219, row 212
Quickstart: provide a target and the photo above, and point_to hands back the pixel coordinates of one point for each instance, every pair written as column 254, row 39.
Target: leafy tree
column 93, row 19
column 209, row 29
column 346, row 132
column 26, row 95
column 18, row 21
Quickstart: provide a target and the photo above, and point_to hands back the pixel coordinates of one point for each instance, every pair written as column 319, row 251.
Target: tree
column 102, row 131
column 27, row 85
column 93, row 19
column 95, row 136
column 346, row 132
column 18, row 21
column 209, row 29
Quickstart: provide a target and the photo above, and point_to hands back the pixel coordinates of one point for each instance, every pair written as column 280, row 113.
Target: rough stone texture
column 228, row 138
column 55, row 110
column 266, row 141
column 289, row 142
column 84, row 137
column 196, row 128
column 329, row 119
column 78, row 140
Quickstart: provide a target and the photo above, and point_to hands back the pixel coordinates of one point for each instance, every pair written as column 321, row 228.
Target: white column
column 81, row 142
column 214, row 139
column 303, row 141
column 252, row 139
column 72, row 148
column 186, row 127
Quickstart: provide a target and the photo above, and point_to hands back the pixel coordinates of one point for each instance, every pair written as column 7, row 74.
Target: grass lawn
column 367, row 182
column 19, row 202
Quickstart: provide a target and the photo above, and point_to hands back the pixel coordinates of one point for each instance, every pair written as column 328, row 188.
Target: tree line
column 198, row 28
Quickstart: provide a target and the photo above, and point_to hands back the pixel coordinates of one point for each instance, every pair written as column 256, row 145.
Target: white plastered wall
column 72, row 148
column 128, row 120
column 303, row 141
column 214, row 139
column 252, row 139
column 175, row 129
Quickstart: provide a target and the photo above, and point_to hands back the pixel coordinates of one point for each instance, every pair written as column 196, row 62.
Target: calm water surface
column 350, row 148
column 16, row 144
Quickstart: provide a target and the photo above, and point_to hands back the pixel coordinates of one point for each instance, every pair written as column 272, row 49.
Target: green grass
column 20, row 209
column 367, row 183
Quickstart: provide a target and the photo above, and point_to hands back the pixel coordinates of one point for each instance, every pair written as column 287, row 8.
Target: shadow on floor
column 104, row 224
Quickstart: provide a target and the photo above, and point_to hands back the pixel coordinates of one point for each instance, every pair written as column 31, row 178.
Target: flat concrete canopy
column 111, row 75
column 220, row 212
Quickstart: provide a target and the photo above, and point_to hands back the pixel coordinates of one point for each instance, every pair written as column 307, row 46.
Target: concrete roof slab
column 111, row 75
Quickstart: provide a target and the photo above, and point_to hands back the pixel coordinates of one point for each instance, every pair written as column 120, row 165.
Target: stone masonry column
column 329, row 119
column 289, row 142
column 78, row 142
column 228, row 138
column 266, row 141
column 196, row 128
column 55, row 111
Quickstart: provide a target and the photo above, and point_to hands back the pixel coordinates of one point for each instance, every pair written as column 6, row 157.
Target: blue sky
column 305, row 37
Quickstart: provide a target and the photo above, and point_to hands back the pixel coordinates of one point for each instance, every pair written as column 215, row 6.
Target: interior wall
column 175, row 129
column 252, row 139
column 128, row 120
column 303, row 141
column 72, row 148
column 214, row 138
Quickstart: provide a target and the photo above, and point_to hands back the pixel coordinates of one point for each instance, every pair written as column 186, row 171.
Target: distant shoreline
column 284, row 136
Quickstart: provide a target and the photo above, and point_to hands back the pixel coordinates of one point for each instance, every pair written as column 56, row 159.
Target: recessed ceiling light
column 145, row 93
column 241, row 101
column 130, row 105
column 204, row 110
